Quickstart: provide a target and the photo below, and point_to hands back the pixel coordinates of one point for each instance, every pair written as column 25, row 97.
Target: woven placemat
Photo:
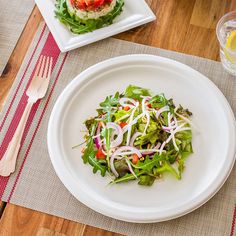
column 13, row 17
column 35, row 185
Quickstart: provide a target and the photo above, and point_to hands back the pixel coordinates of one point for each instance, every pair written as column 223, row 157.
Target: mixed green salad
column 137, row 136
column 83, row 16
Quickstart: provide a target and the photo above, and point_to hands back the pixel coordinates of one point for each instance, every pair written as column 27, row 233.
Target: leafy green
column 136, row 92
column 121, row 167
column 149, row 137
column 107, row 106
column 149, row 163
column 88, row 123
column 120, row 113
column 158, row 101
column 127, row 177
column 149, row 167
column 80, row 26
column 110, row 101
column 146, row 180
column 166, row 167
column 184, row 112
column 89, row 155
column 96, row 164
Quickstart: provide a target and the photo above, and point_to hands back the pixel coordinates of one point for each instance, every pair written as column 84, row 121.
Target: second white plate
column 135, row 13
column 206, row 170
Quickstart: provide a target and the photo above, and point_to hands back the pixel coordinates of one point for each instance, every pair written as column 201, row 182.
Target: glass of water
column 226, row 34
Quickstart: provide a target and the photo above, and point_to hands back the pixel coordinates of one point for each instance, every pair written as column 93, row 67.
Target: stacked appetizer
column 82, row 16
column 138, row 136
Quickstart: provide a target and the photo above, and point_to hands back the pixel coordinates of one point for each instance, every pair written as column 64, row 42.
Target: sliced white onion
column 151, row 150
column 169, row 117
column 135, row 135
column 146, row 113
column 187, row 120
column 131, row 169
column 171, row 124
column 163, row 109
column 127, row 148
column 183, row 129
column 143, row 104
column 118, row 131
column 127, row 102
column 172, row 134
column 148, row 122
column 130, row 121
column 133, row 122
column 113, row 169
column 162, row 147
column 180, row 127
column 126, row 153
column 118, row 152
column 168, row 128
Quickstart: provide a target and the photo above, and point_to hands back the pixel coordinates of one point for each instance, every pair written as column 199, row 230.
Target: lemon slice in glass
column 231, row 46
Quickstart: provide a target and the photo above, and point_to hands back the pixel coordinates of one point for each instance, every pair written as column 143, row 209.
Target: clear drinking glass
column 226, row 34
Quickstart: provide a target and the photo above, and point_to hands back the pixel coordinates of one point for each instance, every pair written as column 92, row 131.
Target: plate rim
column 214, row 187
column 45, row 10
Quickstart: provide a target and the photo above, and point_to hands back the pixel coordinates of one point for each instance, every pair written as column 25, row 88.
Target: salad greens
column 137, row 136
column 81, row 26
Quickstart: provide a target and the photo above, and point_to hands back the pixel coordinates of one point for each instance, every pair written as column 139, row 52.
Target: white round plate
column 206, row 170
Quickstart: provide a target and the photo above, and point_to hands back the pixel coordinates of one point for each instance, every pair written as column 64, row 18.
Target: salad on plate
column 138, row 136
column 83, row 16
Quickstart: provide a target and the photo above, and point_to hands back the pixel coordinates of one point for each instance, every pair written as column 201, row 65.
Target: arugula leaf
column 158, row 101
column 136, row 92
column 149, row 163
column 107, row 106
column 166, row 167
column 146, row 180
column 184, row 112
column 110, row 101
column 127, row 177
column 96, row 164
column 80, row 26
column 89, row 154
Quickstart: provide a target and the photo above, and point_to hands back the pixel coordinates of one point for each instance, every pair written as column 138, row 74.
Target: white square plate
column 134, row 13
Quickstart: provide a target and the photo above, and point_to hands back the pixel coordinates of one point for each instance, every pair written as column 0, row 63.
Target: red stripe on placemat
column 50, row 48
column 233, row 222
column 22, row 78
column 37, row 127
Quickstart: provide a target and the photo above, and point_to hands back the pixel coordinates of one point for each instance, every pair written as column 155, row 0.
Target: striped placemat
column 13, row 17
column 35, row 185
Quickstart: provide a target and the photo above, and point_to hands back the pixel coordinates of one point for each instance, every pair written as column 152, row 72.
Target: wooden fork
column 36, row 90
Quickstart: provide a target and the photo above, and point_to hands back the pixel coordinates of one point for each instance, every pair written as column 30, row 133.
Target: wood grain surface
column 21, row 221
column 186, row 26
column 2, row 207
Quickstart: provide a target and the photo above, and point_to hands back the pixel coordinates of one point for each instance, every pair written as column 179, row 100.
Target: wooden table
column 186, row 26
